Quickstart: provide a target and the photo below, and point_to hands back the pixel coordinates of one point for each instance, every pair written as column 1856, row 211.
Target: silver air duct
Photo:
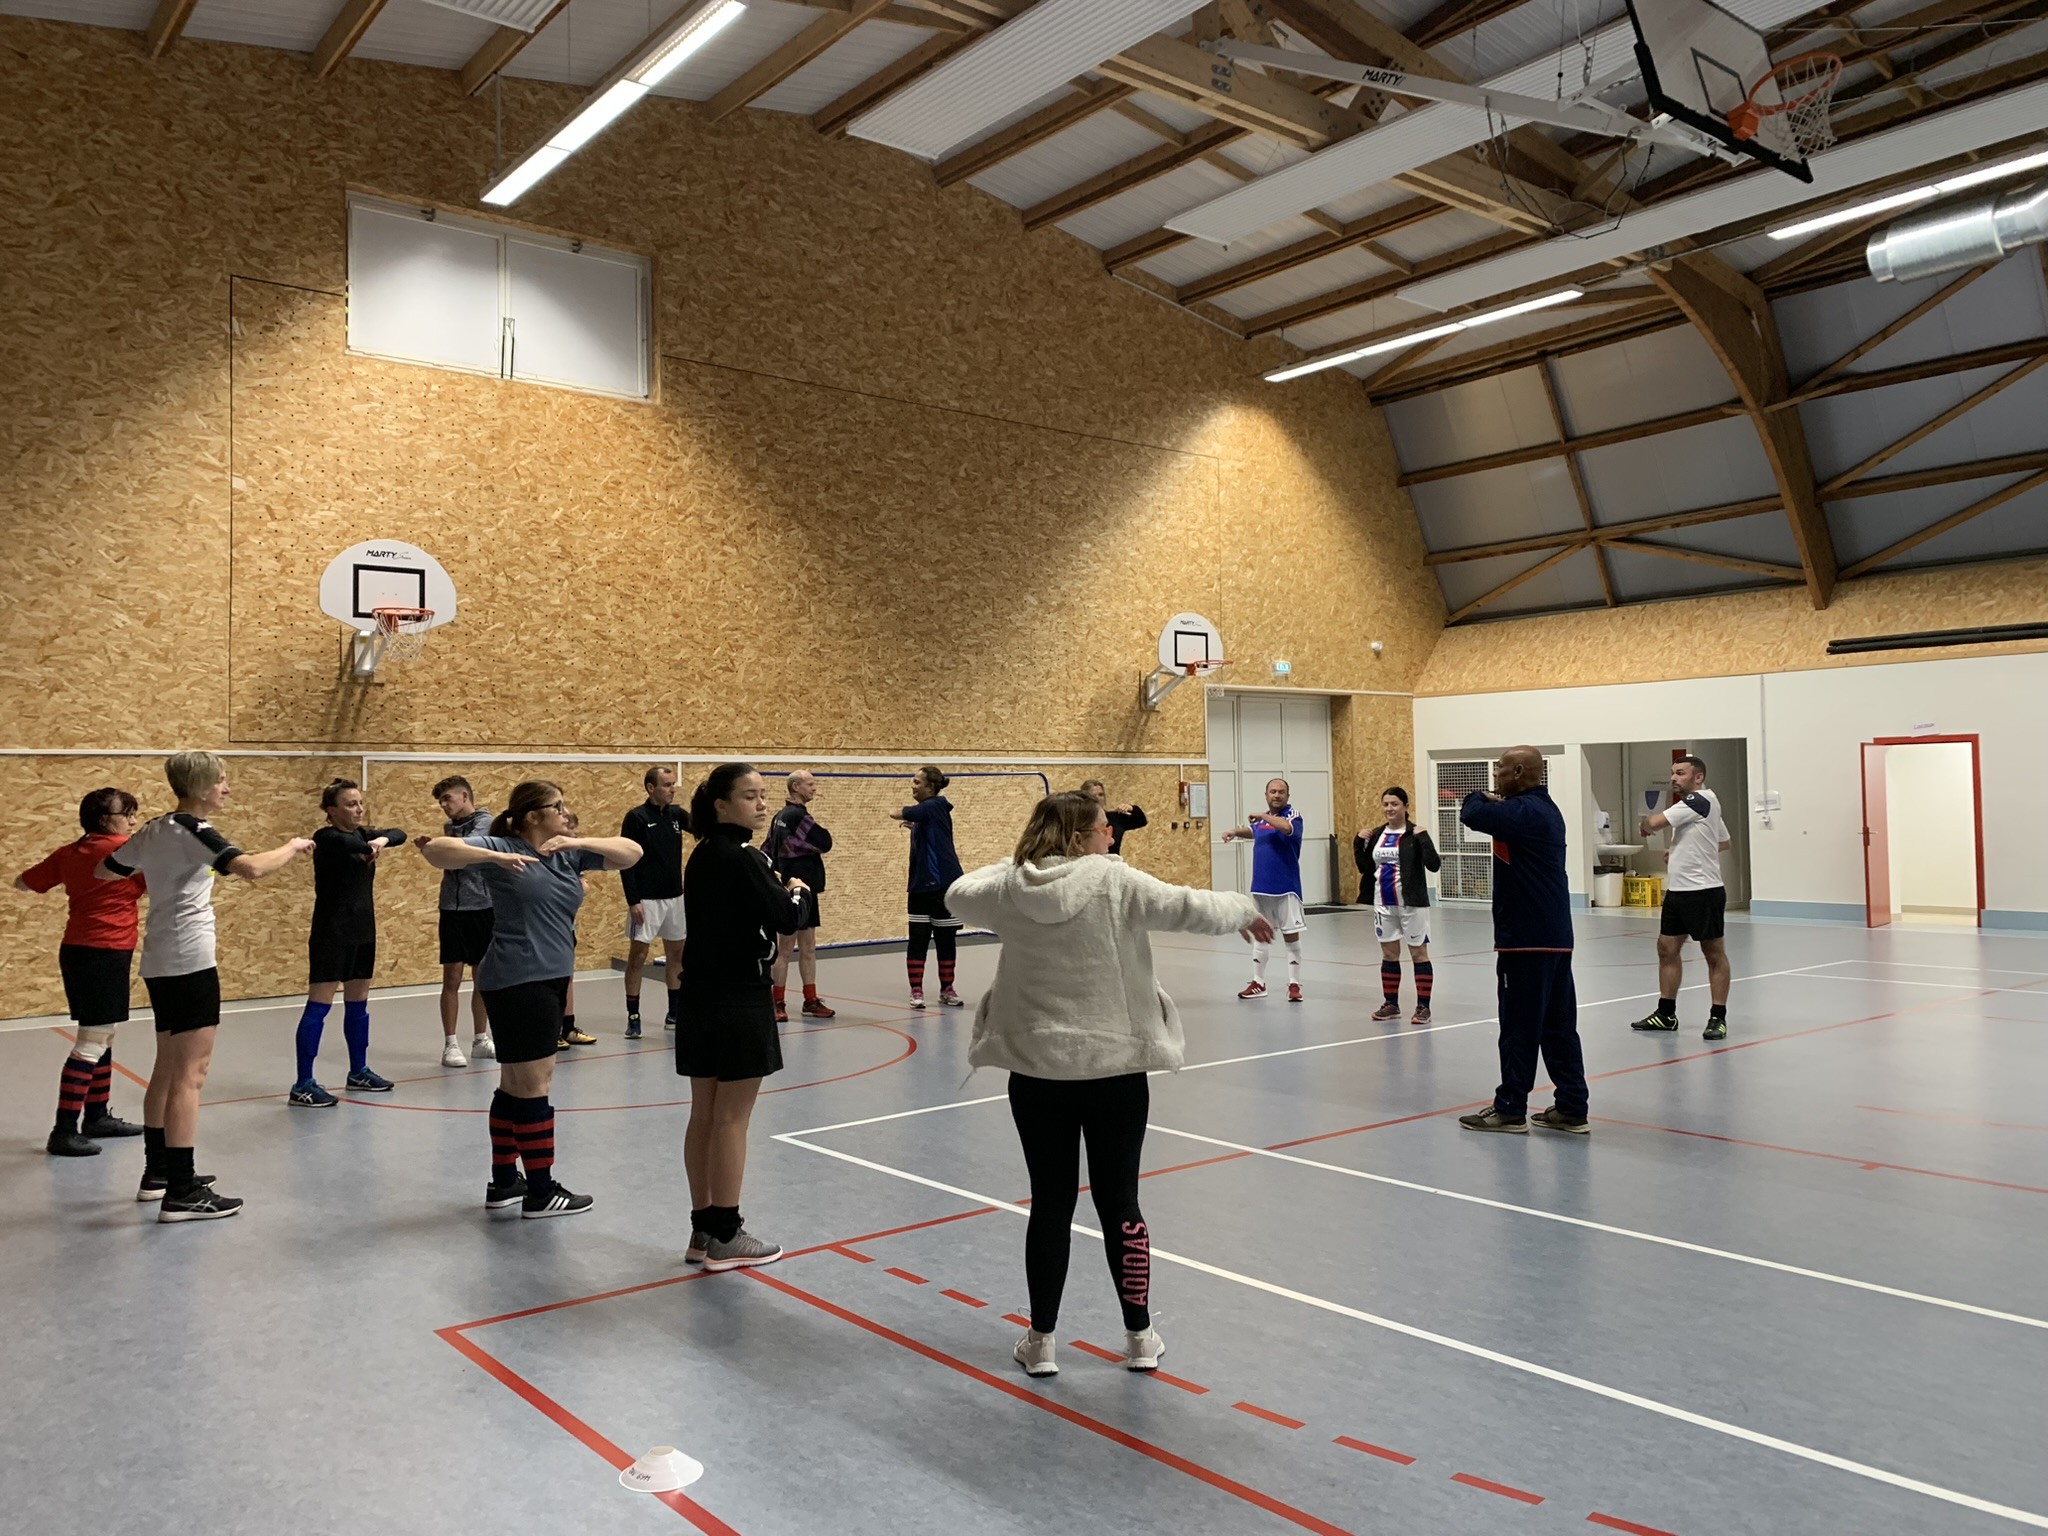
column 1949, row 239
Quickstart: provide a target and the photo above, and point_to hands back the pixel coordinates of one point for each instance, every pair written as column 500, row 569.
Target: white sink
column 1618, row 850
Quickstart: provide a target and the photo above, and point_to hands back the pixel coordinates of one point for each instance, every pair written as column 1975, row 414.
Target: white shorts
column 664, row 920
column 1283, row 912
column 1408, row 925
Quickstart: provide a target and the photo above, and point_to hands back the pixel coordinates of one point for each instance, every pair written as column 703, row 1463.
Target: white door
column 1255, row 737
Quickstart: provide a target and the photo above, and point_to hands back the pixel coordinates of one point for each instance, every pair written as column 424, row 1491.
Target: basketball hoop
column 401, row 632
column 1806, row 92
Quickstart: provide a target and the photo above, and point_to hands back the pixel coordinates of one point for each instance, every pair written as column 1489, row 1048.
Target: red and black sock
column 504, row 1142
column 102, row 1089
column 914, row 953
column 780, row 994
column 72, row 1089
column 534, row 1129
column 1390, row 981
column 945, row 938
column 1425, row 982
column 947, row 969
column 810, row 992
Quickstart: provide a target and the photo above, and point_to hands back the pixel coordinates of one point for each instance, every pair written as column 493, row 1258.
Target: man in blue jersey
column 1532, row 943
column 1276, row 884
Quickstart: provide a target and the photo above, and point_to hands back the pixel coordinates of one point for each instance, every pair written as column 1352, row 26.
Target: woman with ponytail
column 734, row 908
column 535, row 873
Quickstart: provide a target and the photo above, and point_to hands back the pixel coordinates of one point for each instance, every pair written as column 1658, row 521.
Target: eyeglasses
column 558, row 807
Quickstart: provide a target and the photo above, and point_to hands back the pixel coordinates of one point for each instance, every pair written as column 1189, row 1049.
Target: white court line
column 1601, row 1226
column 1293, row 1050
column 1899, row 981
column 1480, row 1352
column 1915, row 965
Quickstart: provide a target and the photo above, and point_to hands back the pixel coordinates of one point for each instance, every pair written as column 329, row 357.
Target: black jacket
column 343, row 905
column 658, row 829
column 734, row 906
column 1121, row 822
column 1532, row 904
column 1418, row 852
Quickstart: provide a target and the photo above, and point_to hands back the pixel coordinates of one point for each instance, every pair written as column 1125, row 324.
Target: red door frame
column 1976, row 794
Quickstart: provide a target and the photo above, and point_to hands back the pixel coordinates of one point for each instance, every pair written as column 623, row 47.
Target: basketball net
column 401, row 632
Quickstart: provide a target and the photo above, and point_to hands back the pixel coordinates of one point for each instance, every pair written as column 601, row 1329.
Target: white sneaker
column 1142, row 1350
column 1035, row 1352
column 451, row 1054
column 484, row 1048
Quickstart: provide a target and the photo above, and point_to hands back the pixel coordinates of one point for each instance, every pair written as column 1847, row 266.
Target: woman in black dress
column 734, row 907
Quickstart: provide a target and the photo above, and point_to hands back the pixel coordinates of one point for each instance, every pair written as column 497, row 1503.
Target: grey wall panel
column 1568, row 584
column 1767, row 536
column 1677, row 471
column 1863, row 527
column 2005, row 304
column 2020, row 527
column 1509, row 503
column 1637, row 577
column 1485, row 416
column 1657, row 375
column 1844, row 430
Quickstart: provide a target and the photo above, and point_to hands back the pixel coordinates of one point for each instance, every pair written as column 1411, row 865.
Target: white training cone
column 662, row 1470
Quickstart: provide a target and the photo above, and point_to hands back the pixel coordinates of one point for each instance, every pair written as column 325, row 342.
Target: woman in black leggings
column 1076, row 1016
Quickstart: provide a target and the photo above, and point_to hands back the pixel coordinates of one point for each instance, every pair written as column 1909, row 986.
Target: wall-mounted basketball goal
column 1189, row 646
column 390, row 594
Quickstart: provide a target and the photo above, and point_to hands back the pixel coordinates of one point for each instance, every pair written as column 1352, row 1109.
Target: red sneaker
column 781, row 1014
column 1294, row 991
column 1386, row 1011
column 814, row 1008
column 1421, row 1014
column 1254, row 989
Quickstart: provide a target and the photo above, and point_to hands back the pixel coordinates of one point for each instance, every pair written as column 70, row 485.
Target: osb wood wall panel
column 263, row 926
column 1736, row 634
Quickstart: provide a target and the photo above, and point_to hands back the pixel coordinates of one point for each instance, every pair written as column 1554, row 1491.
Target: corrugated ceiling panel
column 1469, row 421
column 1551, row 32
column 1511, row 503
column 1197, row 258
column 1371, row 200
column 1145, row 208
column 130, row 15
column 1325, row 274
column 1177, row 114
column 424, row 34
column 1870, row 523
column 1661, row 374
column 1350, row 324
column 297, row 25
column 1482, row 336
column 863, row 52
column 1058, row 93
column 1571, row 583
column 1846, row 429
column 1065, row 160
column 1434, row 237
column 1705, row 466
column 1261, row 155
column 1638, row 577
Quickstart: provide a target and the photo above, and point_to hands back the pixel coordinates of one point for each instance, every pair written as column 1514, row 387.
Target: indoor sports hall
column 1397, row 646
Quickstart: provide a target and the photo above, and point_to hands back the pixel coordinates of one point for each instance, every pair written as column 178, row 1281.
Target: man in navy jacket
column 1532, row 941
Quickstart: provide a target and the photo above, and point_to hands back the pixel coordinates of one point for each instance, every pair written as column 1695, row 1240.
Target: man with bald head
column 797, row 845
column 1532, row 942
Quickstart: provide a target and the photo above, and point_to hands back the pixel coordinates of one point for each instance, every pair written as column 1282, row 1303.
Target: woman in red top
column 99, row 942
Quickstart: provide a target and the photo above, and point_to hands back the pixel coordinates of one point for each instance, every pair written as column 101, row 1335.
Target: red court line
column 963, row 1298
column 1869, row 1164
column 847, row 1253
column 1614, row 1523
column 1021, row 1322
column 1921, row 1114
column 689, row 1509
column 1095, row 1426
column 1500, row 1488
column 1096, row 1350
column 904, row 1274
column 1180, row 1381
column 1375, row 1450
column 1268, row 1415
column 140, row 1082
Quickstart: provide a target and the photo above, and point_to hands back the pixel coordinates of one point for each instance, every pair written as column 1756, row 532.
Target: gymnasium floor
column 1790, row 1284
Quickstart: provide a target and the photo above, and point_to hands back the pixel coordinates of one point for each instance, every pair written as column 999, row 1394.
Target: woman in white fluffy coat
column 1078, row 1018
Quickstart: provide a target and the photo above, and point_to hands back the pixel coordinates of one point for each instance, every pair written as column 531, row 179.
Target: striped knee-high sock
column 1390, row 981
column 71, row 1091
column 102, row 1089
column 534, row 1126
column 1425, row 982
column 504, row 1143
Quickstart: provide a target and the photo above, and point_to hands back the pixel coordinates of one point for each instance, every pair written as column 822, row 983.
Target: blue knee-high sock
column 355, row 1028
column 311, row 1023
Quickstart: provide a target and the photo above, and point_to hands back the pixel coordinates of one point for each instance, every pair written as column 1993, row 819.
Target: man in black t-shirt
column 654, row 892
column 797, row 845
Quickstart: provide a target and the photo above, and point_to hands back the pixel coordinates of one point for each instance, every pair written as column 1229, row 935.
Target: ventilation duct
column 1928, row 639
column 1949, row 239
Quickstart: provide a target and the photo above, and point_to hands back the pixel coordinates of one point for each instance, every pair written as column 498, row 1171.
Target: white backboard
column 385, row 573
column 1188, row 637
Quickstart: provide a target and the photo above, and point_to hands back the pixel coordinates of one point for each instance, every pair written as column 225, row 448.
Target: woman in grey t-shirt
column 535, row 874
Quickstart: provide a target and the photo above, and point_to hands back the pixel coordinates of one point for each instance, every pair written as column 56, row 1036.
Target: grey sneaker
column 745, row 1251
column 1142, row 1350
column 1554, row 1119
column 1491, row 1119
column 1036, row 1353
column 484, row 1048
column 694, row 1254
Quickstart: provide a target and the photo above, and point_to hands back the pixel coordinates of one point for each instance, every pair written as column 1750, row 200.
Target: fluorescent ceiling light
column 1048, row 45
column 1912, row 195
column 1412, row 338
column 653, row 61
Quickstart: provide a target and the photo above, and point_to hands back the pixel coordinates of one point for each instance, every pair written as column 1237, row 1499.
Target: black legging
column 1052, row 1120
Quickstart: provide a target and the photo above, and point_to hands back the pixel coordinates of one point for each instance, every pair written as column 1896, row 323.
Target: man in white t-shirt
column 1695, row 900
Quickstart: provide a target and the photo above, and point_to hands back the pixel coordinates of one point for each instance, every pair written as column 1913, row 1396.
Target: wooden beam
column 1402, row 360
column 1953, row 520
column 500, row 49
column 1359, row 232
column 1927, row 429
column 1702, row 557
column 1260, row 103
column 1571, row 464
column 1364, row 292
column 1908, row 373
column 1455, row 16
column 1512, row 582
column 1566, row 447
column 1945, row 474
column 167, row 25
column 1643, row 318
column 792, row 56
column 1734, row 317
column 343, row 33
column 1135, row 172
column 1089, row 98
column 1878, row 338
column 1699, row 517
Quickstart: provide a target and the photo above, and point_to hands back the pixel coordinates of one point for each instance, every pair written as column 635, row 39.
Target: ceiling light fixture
column 1413, row 338
column 664, row 51
column 1912, row 195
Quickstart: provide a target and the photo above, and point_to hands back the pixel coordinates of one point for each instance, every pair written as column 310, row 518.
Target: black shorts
column 466, row 935
column 808, row 913
column 330, row 959
column 95, row 983
column 931, row 905
column 185, row 1003
column 1698, row 915
column 731, row 1041
column 526, row 1020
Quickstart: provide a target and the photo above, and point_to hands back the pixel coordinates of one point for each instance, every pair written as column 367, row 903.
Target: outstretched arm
column 456, row 853
column 617, row 852
column 256, row 866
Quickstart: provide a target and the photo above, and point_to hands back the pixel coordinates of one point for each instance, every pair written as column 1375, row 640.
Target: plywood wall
column 919, row 482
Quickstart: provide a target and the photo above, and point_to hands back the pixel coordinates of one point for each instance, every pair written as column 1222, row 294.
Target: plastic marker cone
column 662, row 1470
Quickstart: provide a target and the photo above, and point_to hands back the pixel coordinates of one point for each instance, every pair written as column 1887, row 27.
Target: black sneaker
column 199, row 1203
column 1491, row 1119
column 70, row 1144
column 1667, row 1023
column 498, row 1196
column 367, row 1081
column 1717, row 1028
column 632, row 1026
column 1555, row 1119
column 154, row 1186
column 554, row 1201
column 109, row 1125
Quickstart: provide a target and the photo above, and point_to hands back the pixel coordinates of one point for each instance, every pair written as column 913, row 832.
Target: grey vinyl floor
column 1794, row 1283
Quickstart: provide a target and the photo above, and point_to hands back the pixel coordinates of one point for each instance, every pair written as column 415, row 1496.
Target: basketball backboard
column 385, row 573
column 1700, row 62
column 1188, row 640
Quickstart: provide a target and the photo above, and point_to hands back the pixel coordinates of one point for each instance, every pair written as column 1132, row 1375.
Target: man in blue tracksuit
column 1532, row 942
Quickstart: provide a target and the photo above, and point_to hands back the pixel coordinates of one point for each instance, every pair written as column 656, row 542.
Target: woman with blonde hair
column 1078, row 1019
